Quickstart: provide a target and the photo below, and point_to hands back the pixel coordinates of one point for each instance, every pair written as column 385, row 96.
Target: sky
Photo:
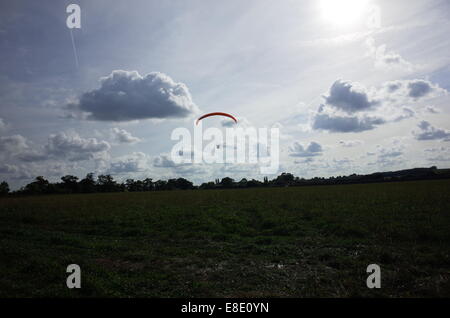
column 354, row 86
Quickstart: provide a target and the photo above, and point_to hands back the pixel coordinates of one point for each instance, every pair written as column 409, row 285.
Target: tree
column 106, row 183
column 38, row 186
column 208, row 185
column 70, row 183
column 254, row 183
column 227, row 182
column 285, row 179
column 4, row 188
column 132, row 185
column 160, row 185
column 148, row 184
column 183, row 184
column 87, row 185
column 242, row 183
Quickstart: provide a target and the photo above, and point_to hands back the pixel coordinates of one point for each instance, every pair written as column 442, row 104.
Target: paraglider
column 216, row 114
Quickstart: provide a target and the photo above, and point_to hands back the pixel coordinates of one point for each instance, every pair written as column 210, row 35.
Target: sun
column 343, row 12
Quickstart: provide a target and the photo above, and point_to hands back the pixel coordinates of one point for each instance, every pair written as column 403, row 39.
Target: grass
column 267, row 242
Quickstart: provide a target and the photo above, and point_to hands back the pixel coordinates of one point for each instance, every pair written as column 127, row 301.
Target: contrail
column 74, row 48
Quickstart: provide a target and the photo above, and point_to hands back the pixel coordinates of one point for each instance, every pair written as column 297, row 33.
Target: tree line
column 106, row 183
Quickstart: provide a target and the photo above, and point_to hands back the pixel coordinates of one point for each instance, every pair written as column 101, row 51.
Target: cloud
column 2, row 125
column 31, row 155
column 391, row 153
column 432, row 110
column 123, row 136
column 345, row 124
column 75, row 148
column 439, row 158
column 350, row 143
column 349, row 97
column 428, row 132
column 8, row 169
column 412, row 89
column 13, row 144
column 126, row 96
column 419, row 88
column 312, row 150
column 350, row 107
column 196, row 172
column 407, row 113
column 241, row 121
column 163, row 161
column 440, row 154
column 134, row 162
column 388, row 156
column 306, row 160
column 384, row 58
column 59, row 146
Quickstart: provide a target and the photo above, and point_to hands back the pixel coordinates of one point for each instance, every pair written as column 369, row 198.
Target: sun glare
column 343, row 12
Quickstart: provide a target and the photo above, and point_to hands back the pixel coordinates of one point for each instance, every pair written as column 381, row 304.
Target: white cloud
column 163, row 161
column 384, row 58
column 406, row 113
column 350, row 143
column 241, row 121
column 123, row 136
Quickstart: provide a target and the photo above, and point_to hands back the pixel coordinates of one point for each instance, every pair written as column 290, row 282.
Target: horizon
column 125, row 179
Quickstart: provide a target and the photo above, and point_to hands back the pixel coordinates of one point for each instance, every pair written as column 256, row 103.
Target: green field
column 265, row 242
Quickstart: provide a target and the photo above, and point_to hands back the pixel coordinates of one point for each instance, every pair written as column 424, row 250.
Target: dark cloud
column 2, row 125
column 63, row 146
column 8, row 169
column 349, row 97
column 312, row 150
column 345, row 99
column 135, row 162
column 13, row 144
column 412, row 89
column 428, row 132
column 74, row 148
column 419, row 88
column 394, row 86
column 336, row 123
column 125, row 96
column 32, row 156
column 432, row 110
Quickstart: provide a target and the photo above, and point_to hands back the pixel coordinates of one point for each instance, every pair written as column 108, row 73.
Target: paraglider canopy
column 216, row 114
